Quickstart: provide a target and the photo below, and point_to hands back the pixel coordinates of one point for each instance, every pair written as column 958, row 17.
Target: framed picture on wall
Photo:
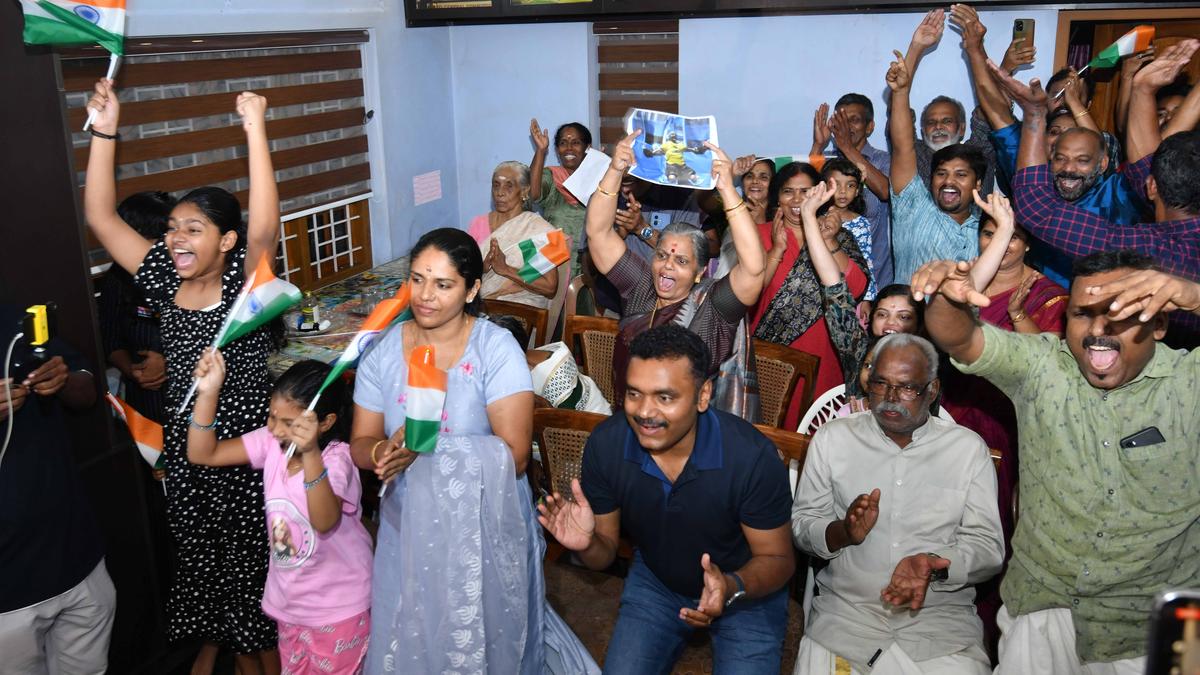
column 523, row 9
column 432, row 12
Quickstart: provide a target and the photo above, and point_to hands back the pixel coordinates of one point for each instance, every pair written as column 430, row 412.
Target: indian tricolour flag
column 542, row 253
column 263, row 298
column 385, row 314
column 147, row 433
column 65, row 22
column 424, row 399
column 1136, row 40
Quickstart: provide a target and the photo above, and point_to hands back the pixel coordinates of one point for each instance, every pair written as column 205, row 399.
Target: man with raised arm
column 1167, row 174
column 944, row 119
column 1110, row 514
column 940, row 221
column 905, row 553
column 704, row 498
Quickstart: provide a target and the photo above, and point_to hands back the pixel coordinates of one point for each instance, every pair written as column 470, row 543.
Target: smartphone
column 1023, row 28
column 1174, row 634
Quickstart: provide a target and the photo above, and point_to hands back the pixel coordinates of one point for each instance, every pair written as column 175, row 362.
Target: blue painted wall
column 503, row 76
column 459, row 99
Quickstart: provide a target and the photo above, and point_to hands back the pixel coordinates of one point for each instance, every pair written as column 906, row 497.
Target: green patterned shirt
column 1102, row 528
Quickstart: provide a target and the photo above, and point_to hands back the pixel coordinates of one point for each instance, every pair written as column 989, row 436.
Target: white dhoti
column 1043, row 643
column 814, row 659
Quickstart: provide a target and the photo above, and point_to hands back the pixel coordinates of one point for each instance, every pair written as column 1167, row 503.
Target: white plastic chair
column 823, row 409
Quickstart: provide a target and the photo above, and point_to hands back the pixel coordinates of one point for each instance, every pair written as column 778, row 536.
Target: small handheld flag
column 425, row 398
column 64, row 22
column 82, row 22
column 263, row 298
column 1136, row 40
column 384, row 315
column 542, row 253
column 147, row 434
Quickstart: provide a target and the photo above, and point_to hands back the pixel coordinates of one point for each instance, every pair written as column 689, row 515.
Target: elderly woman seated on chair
column 556, row 376
column 500, row 232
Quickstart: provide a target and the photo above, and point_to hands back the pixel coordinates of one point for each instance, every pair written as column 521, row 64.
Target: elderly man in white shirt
column 903, row 505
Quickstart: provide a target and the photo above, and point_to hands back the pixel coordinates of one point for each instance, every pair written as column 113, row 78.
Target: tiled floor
column 588, row 602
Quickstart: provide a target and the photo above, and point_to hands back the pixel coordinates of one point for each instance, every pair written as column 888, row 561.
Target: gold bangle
column 736, row 206
column 1083, row 112
column 605, row 192
column 1021, row 316
column 374, row 448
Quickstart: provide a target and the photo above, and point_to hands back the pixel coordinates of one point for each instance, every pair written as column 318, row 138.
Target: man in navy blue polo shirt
column 705, row 499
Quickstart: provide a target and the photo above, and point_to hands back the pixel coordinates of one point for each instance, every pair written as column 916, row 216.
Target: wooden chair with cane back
column 592, row 339
column 780, row 369
column 561, row 436
column 533, row 319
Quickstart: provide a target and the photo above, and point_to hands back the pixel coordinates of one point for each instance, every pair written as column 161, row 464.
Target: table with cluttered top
column 342, row 307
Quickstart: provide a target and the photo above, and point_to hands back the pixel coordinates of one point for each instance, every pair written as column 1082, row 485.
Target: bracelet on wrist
column 1021, row 316
column 101, row 134
column 202, row 427
column 736, row 206
column 376, row 447
column 1083, row 113
column 604, row 192
column 310, row 484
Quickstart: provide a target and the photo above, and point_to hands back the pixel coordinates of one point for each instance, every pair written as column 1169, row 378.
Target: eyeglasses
column 906, row 392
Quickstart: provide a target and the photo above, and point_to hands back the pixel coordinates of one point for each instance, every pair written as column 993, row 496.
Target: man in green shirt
column 1108, row 436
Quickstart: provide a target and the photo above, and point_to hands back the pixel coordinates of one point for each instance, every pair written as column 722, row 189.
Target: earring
column 698, row 278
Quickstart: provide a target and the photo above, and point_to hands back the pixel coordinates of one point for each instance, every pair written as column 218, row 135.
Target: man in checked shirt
column 1165, row 172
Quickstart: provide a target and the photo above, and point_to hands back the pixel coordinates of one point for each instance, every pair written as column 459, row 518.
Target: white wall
column 763, row 77
column 503, row 76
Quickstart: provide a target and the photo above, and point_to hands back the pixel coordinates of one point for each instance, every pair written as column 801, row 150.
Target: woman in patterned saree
column 791, row 311
column 670, row 287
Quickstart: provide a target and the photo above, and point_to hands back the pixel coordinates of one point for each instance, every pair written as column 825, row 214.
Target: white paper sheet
column 427, row 187
column 587, row 177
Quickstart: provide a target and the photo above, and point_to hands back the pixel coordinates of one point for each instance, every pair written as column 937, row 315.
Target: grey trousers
column 64, row 635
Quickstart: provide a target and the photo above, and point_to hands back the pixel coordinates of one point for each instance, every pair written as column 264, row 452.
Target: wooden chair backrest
column 561, row 435
column 534, row 319
column 780, row 369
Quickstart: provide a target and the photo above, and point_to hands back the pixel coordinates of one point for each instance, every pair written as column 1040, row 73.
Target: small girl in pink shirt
column 319, row 582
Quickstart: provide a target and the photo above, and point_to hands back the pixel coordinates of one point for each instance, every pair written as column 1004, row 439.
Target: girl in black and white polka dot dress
column 192, row 278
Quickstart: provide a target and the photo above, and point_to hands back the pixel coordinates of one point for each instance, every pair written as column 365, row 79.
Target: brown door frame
column 1068, row 16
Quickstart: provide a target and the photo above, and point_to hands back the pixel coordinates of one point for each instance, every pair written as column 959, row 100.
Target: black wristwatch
column 739, row 593
column 936, row 574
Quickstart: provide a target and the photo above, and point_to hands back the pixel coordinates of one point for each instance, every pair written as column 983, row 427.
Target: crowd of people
column 1030, row 292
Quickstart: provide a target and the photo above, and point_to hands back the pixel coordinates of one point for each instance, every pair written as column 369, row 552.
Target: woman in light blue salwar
column 458, row 585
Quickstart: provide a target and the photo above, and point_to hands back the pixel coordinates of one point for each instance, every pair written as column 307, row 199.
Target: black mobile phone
column 1174, row 647
column 1147, row 436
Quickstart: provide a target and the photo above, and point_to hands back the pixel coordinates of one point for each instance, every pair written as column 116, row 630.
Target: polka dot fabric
column 215, row 514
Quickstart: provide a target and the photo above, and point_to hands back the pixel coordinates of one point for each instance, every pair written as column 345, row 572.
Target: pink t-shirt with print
column 314, row 579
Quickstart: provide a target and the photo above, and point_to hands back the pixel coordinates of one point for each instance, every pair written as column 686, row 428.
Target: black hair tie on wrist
column 101, row 134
